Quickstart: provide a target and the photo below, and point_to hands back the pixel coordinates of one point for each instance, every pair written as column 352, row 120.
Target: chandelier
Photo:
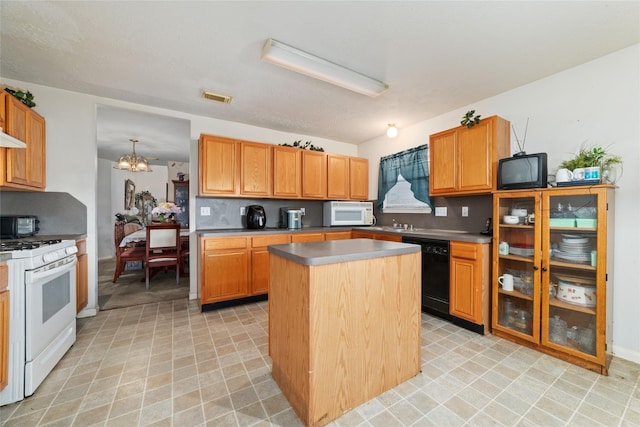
column 132, row 162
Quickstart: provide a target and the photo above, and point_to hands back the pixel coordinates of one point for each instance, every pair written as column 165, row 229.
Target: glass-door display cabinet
column 552, row 271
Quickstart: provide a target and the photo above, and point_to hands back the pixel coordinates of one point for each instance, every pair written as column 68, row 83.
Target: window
column 403, row 182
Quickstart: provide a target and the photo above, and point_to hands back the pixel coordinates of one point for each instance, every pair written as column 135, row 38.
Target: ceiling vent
column 216, row 97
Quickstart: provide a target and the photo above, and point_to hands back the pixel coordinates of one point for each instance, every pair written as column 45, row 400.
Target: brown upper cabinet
column 347, row 177
column 465, row 160
column 219, row 166
column 314, row 175
column 287, row 172
column 22, row 168
column 237, row 168
column 255, row 169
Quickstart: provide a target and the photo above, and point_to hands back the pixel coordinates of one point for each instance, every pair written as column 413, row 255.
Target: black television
column 522, row 171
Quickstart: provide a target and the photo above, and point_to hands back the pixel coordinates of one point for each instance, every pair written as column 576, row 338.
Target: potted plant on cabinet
column 596, row 156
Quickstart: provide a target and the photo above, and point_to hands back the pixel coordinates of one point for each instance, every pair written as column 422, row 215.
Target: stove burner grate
column 25, row 245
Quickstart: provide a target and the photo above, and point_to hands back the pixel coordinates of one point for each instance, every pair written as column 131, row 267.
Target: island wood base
column 341, row 334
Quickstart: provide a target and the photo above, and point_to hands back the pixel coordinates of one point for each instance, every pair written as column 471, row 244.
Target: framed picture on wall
column 129, row 194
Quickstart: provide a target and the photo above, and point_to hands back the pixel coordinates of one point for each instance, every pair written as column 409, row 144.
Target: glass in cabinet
column 516, row 277
column 558, row 296
column 574, row 237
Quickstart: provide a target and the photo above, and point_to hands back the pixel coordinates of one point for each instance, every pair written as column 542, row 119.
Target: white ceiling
column 435, row 56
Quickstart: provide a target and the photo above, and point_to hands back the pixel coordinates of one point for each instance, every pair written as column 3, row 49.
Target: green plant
column 25, row 97
column 305, row 146
column 469, row 120
column 592, row 156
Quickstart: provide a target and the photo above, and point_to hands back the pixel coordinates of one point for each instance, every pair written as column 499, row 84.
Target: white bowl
column 576, row 293
column 519, row 212
column 510, row 219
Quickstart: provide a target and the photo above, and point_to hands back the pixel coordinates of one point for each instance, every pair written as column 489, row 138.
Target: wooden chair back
column 162, row 248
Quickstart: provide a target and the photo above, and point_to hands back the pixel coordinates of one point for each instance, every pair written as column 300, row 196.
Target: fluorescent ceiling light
column 9, row 141
column 304, row 63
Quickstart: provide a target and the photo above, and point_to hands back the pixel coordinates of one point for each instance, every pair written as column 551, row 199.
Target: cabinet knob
column 544, row 268
column 535, row 268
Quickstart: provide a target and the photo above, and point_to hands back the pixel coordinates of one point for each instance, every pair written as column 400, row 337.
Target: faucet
column 395, row 224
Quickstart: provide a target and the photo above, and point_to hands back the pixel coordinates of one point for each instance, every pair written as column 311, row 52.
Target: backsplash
column 480, row 208
column 59, row 213
column 225, row 213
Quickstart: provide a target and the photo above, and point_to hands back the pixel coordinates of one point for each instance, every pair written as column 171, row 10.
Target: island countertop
column 336, row 251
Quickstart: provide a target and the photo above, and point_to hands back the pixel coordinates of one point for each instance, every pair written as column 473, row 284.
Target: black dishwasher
column 435, row 281
column 435, row 275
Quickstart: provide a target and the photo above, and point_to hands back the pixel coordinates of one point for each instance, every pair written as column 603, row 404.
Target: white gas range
column 42, row 310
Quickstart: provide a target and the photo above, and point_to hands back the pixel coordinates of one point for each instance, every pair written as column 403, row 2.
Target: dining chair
column 124, row 254
column 162, row 249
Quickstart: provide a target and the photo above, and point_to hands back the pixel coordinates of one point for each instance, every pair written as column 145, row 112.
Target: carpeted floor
column 129, row 290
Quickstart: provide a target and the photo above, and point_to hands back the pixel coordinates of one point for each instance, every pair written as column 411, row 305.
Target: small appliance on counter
column 18, row 226
column 256, row 217
column 291, row 218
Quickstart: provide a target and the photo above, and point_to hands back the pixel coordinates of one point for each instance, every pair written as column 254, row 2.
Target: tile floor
column 167, row 364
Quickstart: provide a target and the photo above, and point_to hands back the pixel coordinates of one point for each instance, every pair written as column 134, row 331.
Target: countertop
column 336, row 251
column 428, row 233
column 49, row 237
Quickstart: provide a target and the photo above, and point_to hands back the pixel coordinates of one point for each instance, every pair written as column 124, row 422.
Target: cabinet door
column 225, row 275
column 465, row 290
column 517, row 264
column 82, row 280
column 4, row 339
column 358, row 178
column 16, row 126
column 474, row 158
column 181, row 199
column 442, row 155
column 219, row 160
column 314, row 174
column 574, row 290
column 260, row 261
column 287, row 172
column 337, row 177
column 256, row 169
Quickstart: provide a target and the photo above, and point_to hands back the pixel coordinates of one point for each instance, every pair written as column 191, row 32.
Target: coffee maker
column 291, row 218
column 256, row 217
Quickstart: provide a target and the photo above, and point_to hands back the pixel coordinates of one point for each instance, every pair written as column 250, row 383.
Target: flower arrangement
column 166, row 210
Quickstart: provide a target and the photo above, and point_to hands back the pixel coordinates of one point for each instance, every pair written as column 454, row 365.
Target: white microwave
column 347, row 213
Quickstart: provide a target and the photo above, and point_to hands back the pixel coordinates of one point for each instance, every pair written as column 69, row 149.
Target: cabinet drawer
column 464, row 250
column 262, row 241
column 210, row 244
column 307, row 237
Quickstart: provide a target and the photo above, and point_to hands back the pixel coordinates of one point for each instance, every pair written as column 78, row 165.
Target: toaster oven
column 17, row 226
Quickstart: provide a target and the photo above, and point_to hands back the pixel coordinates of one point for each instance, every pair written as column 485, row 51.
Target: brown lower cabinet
column 238, row 267
column 82, row 280
column 469, row 285
column 375, row 236
column 4, row 326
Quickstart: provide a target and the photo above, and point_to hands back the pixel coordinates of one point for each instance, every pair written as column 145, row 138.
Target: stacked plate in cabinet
column 574, row 248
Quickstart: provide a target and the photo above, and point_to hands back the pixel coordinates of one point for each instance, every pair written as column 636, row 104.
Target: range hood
column 7, row 140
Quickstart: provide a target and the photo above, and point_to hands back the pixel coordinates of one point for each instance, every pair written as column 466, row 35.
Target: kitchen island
column 344, row 322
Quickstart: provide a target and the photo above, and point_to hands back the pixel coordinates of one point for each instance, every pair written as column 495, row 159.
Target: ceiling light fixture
column 392, row 130
column 132, row 162
column 305, row 63
column 216, row 97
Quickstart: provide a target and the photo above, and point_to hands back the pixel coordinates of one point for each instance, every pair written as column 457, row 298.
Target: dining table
column 141, row 236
